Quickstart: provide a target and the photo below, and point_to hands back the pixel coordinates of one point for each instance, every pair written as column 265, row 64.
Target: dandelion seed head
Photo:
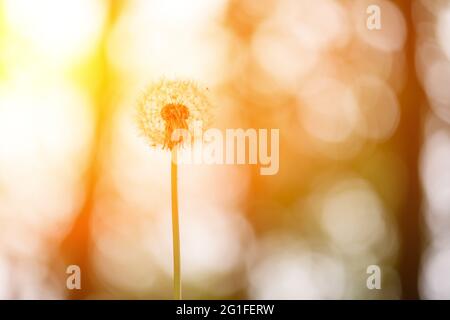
column 168, row 105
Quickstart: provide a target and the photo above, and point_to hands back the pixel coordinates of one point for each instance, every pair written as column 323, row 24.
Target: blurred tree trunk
column 75, row 247
column 409, row 141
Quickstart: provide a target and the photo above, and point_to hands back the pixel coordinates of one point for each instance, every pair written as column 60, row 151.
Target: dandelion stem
column 175, row 227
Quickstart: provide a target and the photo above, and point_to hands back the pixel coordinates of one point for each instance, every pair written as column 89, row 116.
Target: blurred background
column 364, row 118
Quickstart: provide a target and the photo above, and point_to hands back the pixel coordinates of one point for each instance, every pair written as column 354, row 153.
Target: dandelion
column 168, row 105
column 164, row 107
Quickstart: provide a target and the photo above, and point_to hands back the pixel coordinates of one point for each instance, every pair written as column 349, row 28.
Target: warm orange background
column 364, row 153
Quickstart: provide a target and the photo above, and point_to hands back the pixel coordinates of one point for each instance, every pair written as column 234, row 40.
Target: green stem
column 175, row 227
